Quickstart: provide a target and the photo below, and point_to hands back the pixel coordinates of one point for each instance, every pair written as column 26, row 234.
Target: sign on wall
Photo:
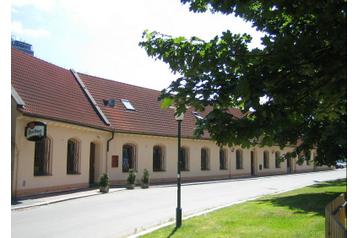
column 35, row 130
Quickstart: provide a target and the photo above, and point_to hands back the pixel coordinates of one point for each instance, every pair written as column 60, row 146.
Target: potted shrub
column 131, row 179
column 104, row 183
column 145, row 179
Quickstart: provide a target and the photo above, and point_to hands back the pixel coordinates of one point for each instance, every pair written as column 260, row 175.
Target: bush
column 131, row 176
column 104, row 180
column 145, row 178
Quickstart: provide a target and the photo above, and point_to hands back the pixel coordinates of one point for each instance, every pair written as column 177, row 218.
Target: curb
column 49, row 202
column 56, row 201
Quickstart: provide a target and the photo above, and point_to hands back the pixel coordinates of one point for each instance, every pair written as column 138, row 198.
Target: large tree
column 300, row 71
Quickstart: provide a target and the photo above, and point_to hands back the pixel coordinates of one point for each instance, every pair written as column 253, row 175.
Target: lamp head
column 179, row 117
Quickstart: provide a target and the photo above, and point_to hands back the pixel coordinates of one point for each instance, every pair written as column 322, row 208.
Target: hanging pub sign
column 35, row 130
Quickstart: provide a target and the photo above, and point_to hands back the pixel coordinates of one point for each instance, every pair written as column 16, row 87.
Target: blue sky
column 101, row 37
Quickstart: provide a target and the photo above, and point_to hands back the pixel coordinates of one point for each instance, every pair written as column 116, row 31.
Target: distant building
column 23, row 46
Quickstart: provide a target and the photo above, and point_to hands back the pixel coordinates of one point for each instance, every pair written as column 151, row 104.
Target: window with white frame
column 128, row 105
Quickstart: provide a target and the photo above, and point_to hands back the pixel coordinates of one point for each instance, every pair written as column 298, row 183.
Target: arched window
column 158, row 158
column 266, row 160
column 184, row 159
column 239, row 159
column 308, row 161
column 314, row 156
column 73, row 156
column 205, row 160
column 277, row 159
column 128, row 158
column 42, row 161
column 252, row 162
column 310, row 158
column 223, row 159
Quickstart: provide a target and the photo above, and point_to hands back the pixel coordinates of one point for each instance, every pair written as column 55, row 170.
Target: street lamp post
column 179, row 119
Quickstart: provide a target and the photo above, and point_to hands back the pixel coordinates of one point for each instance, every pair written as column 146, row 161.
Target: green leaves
column 302, row 69
column 166, row 103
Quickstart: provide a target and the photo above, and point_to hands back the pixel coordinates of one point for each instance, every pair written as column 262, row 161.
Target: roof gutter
column 29, row 114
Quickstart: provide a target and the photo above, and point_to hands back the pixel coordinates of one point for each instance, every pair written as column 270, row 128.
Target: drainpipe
column 15, row 172
column 229, row 158
column 109, row 140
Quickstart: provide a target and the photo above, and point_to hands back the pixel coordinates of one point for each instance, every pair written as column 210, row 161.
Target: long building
column 97, row 126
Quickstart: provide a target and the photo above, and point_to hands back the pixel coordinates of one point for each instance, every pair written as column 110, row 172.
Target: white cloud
column 114, row 29
column 18, row 29
column 169, row 17
column 44, row 5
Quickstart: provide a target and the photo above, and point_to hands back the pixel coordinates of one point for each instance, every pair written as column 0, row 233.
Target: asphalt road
column 122, row 213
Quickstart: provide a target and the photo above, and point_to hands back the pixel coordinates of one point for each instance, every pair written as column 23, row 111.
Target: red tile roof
column 53, row 92
column 50, row 91
column 148, row 117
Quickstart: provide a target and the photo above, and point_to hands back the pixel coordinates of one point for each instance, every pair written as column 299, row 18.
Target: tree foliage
column 300, row 70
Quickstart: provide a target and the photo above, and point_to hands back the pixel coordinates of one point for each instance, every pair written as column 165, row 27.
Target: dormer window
column 109, row 102
column 128, row 105
column 197, row 115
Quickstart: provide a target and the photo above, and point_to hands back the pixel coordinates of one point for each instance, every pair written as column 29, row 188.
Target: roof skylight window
column 128, row 105
column 197, row 115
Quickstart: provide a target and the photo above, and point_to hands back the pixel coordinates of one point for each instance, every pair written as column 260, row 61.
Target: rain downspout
column 109, row 140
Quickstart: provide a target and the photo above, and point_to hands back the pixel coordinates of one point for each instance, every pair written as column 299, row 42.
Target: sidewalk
column 49, row 198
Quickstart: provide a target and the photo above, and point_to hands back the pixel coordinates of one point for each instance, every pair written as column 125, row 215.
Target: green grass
column 298, row 213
